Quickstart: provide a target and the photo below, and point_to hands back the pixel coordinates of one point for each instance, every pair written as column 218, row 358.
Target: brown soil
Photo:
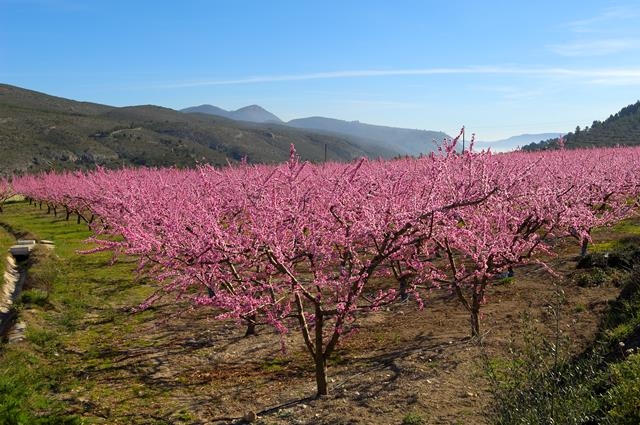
column 194, row 369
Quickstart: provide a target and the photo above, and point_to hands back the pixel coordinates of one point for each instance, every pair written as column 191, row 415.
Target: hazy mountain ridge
column 43, row 132
column 514, row 142
column 407, row 141
column 401, row 140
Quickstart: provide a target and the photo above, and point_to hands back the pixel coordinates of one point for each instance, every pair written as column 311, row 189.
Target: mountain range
column 403, row 141
column 42, row 132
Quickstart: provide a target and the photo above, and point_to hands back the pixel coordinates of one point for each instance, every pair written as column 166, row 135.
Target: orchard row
column 306, row 246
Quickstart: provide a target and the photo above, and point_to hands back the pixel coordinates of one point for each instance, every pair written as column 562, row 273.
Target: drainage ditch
column 12, row 329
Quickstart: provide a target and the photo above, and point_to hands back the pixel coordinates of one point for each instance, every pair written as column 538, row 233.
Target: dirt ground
column 403, row 362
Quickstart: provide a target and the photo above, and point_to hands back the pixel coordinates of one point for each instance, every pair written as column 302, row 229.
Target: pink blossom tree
column 303, row 246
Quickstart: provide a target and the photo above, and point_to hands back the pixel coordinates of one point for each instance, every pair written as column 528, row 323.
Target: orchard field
column 429, row 290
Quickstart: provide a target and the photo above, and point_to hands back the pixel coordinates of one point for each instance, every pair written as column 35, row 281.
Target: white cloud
column 324, row 76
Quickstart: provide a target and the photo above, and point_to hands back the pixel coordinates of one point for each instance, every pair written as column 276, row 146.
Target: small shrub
column 41, row 337
column 38, row 297
column 595, row 277
column 624, row 396
column 589, row 261
column 22, row 389
column 44, row 270
column 619, row 333
column 539, row 383
column 285, row 414
column 183, row 416
column 413, row 419
column 505, row 281
column 547, row 394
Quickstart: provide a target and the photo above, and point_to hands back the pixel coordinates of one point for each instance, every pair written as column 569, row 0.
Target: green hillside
column 41, row 132
column 623, row 128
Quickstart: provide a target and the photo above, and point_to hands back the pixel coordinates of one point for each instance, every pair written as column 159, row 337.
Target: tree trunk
column 475, row 312
column 321, row 375
column 475, row 323
column 403, row 288
column 251, row 326
column 320, row 361
column 583, row 247
column 67, row 213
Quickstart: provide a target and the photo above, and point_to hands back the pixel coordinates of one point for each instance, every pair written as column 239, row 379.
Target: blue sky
column 498, row 67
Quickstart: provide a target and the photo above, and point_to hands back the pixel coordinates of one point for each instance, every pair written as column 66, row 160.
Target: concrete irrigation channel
column 14, row 277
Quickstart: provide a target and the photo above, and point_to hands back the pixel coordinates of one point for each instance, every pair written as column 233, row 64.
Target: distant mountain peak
column 251, row 113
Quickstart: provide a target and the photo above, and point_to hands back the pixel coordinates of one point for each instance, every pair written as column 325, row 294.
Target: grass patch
column 627, row 227
column 26, row 382
column 43, row 338
column 601, row 247
column 277, row 364
column 76, row 309
column 6, row 240
column 35, row 296
column 624, row 395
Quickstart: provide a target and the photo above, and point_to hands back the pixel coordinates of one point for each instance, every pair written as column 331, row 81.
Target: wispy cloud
column 599, row 22
column 618, row 77
column 589, row 74
column 596, row 47
column 329, row 75
column 619, row 82
column 612, row 31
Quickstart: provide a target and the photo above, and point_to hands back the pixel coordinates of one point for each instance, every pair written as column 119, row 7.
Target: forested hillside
column 622, row 128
